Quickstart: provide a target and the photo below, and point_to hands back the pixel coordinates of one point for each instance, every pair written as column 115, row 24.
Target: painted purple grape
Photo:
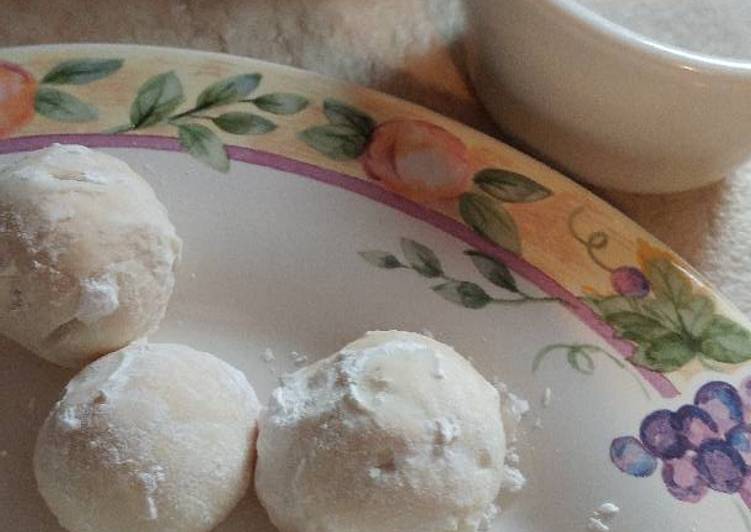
column 683, row 480
column 702, row 446
column 629, row 455
column 629, row 281
column 721, row 401
column 695, row 424
column 739, row 438
column 658, row 434
column 745, row 491
column 721, row 466
column 744, row 390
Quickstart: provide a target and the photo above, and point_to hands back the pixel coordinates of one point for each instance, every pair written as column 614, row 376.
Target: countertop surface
column 410, row 48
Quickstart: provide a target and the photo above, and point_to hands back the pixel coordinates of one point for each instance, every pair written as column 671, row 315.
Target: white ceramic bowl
column 604, row 103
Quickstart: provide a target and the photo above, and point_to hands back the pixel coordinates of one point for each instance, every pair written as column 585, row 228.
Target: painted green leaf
column 336, row 141
column 381, row 259
column 156, row 99
column 726, row 341
column 669, row 282
column 61, row 106
column 228, row 90
column 580, row 360
column 493, row 270
column 281, row 103
column 509, row 186
column 613, row 304
column 204, row 145
column 663, row 311
column 637, row 327
column 239, row 123
column 342, row 114
column 82, row 71
column 490, row 220
column 665, row 354
column 421, row 258
column 696, row 315
column 690, row 318
column 468, row 295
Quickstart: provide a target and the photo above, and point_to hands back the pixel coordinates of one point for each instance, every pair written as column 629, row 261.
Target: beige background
column 409, row 48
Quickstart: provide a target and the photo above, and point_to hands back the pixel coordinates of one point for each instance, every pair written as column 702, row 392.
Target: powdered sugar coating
column 98, row 299
column 155, row 437
column 372, row 439
column 87, row 254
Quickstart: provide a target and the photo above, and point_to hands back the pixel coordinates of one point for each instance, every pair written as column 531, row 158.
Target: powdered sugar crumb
column 488, row 517
column 99, row 298
column 69, row 420
column 547, row 397
column 438, row 371
column 601, row 518
column 152, row 513
column 268, row 355
column 3, row 454
column 513, row 410
column 428, row 333
column 150, row 481
column 596, row 525
column 96, row 178
column 513, row 479
column 512, row 457
column 299, row 359
column 446, row 431
column 608, row 509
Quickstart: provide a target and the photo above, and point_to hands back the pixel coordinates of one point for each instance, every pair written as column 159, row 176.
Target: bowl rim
column 589, row 20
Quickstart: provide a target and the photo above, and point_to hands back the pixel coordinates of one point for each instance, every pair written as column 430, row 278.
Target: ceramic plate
column 313, row 211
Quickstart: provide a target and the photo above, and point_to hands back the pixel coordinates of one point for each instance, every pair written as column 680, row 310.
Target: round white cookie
column 395, row 433
column 152, row 438
column 87, row 254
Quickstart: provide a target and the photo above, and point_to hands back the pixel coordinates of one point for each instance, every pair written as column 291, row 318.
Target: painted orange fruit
column 418, row 160
column 17, row 92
